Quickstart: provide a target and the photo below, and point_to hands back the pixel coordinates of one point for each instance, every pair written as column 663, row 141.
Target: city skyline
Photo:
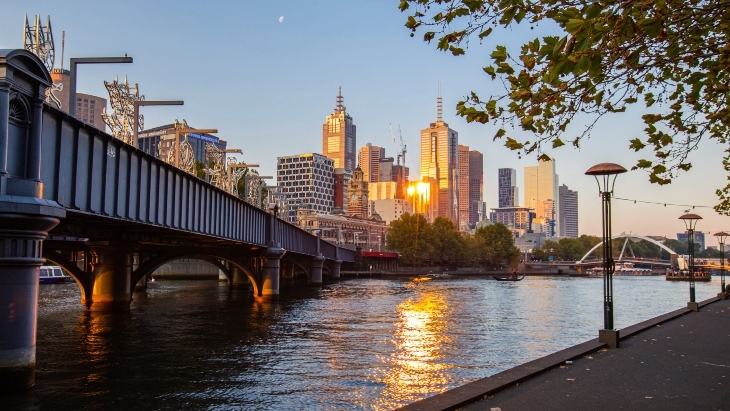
column 387, row 78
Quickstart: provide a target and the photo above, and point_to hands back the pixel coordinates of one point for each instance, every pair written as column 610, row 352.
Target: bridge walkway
column 678, row 361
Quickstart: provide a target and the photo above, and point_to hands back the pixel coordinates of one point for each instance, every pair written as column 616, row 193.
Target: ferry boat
column 629, row 269
column 53, row 274
column 683, row 275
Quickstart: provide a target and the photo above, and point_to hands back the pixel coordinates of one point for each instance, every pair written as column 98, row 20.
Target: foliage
column 566, row 249
column 605, row 56
column 449, row 247
column 412, row 236
column 497, row 246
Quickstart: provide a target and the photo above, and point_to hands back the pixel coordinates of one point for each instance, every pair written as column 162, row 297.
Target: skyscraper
column 338, row 137
column 507, row 186
column 88, row 107
column 369, row 158
column 471, row 183
column 541, row 194
column 568, row 212
column 476, row 186
column 439, row 163
column 463, row 187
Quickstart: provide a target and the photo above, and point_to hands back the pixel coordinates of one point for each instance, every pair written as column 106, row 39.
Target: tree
column 448, row 247
column 671, row 54
column 497, row 245
column 411, row 236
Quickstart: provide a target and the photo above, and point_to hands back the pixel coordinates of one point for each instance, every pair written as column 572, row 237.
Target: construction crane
column 402, row 151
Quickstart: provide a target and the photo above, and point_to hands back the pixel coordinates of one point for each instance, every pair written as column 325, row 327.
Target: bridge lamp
column 605, row 175
column 721, row 237
column 87, row 60
column 690, row 222
column 138, row 103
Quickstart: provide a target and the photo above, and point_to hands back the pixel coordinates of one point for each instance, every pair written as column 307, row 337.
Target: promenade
column 678, row 361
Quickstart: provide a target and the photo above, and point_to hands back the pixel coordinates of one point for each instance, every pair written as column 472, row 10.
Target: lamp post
column 608, row 334
column 721, row 237
column 179, row 131
column 690, row 222
column 138, row 103
column 87, row 60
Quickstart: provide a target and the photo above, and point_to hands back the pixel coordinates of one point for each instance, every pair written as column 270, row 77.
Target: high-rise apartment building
column 88, row 107
column 338, row 137
column 396, row 173
column 541, row 194
column 568, row 212
column 476, row 186
column 440, row 162
column 306, row 180
column 463, row 179
column 342, row 182
column 368, row 158
column 507, row 187
column 471, row 183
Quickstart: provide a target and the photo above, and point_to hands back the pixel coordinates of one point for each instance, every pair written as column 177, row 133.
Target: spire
column 339, row 107
column 439, row 106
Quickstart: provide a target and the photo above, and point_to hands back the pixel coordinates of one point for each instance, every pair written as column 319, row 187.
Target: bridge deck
column 113, row 190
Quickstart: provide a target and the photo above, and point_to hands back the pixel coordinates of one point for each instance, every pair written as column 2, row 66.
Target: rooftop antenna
column 439, row 106
column 340, row 99
column 38, row 39
column 63, row 46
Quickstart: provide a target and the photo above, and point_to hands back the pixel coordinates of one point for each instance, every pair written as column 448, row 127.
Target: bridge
column 110, row 214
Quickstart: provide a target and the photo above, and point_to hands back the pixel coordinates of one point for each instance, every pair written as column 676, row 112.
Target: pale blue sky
column 267, row 86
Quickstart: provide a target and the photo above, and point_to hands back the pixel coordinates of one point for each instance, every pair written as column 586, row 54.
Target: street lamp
column 608, row 334
column 721, row 237
column 87, row 60
column 138, row 103
column 690, row 222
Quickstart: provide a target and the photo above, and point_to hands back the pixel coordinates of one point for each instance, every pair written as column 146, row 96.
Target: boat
column 53, row 274
column 683, row 275
column 513, row 277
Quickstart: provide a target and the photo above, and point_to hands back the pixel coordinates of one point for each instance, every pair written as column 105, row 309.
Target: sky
column 267, row 86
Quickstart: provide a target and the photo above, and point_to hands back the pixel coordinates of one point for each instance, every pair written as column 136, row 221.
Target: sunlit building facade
column 541, row 194
column 440, row 162
column 339, row 137
column 368, row 158
column 423, row 197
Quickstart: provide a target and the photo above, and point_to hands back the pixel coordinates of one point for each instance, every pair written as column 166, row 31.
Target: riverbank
column 676, row 361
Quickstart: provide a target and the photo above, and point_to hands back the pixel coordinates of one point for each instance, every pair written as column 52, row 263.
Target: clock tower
column 357, row 195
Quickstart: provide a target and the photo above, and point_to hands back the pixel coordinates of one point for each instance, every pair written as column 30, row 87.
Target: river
column 360, row 344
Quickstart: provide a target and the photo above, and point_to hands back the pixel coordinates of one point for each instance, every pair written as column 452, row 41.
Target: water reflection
column 358, row 344
column 416, row 367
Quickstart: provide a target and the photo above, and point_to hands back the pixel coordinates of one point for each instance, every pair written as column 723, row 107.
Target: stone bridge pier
column 25, row 217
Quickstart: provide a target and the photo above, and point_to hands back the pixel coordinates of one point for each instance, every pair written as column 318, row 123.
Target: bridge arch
column 624, row 235
column 70, row 266
column 149, row 266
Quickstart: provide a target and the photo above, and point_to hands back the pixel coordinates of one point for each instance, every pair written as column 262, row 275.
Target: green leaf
column 643, row 164
column 637, row 144
column 557, row 143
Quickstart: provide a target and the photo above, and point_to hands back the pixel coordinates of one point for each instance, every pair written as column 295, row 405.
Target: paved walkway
column 679, row 361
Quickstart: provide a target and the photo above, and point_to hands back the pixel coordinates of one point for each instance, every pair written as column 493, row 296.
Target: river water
column 364, row 344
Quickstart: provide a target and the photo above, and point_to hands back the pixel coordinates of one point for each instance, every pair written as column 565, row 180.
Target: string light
column 665, row 204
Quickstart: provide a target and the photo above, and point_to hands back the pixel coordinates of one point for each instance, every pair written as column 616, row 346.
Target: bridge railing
column 90, row 172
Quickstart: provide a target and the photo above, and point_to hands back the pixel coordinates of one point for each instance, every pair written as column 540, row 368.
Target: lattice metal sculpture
column 254, row 185
column 187, row 155
column 38, row 39
column 121, row 120
column 276, row 196
column 215, row 166
column 236, row 173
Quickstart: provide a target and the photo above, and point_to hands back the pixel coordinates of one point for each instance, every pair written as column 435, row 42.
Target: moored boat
column 52, row 274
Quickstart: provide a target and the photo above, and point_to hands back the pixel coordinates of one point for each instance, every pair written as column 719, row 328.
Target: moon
column 281, row 19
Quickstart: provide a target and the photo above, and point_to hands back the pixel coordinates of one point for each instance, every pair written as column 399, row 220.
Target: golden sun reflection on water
column 417, row 365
